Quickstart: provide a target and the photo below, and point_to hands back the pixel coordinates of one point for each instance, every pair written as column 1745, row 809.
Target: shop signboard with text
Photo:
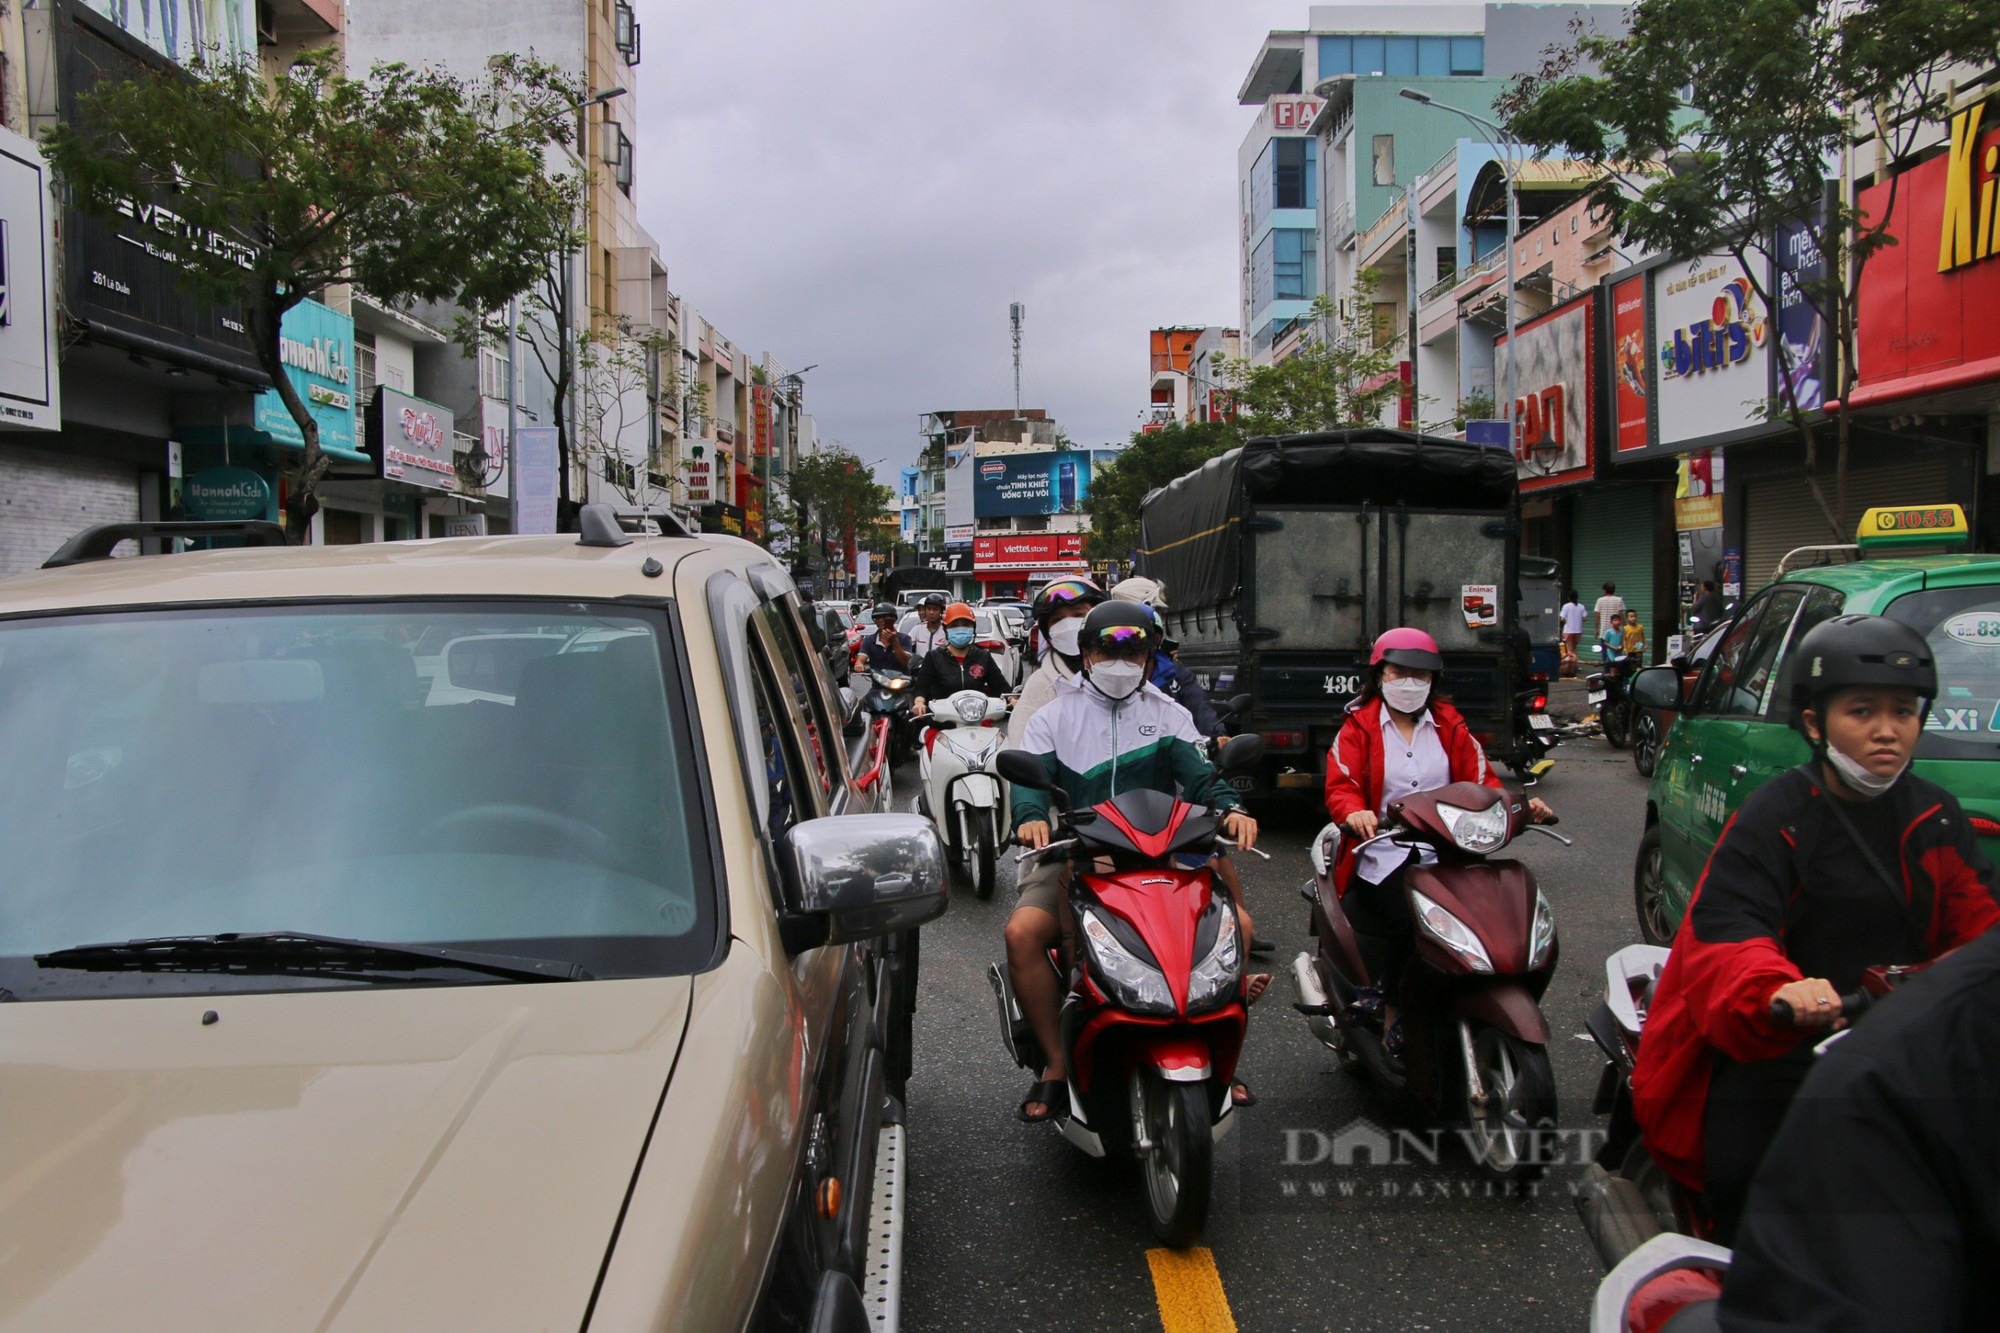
column 1042, row 482
column 1631, row 366
column 1712, row 348
column 412, row 441
column 760, row 420
column 1926, row 321
column 1551, row 358
column 1028, row 550
column 317, row 346
column 29, row 380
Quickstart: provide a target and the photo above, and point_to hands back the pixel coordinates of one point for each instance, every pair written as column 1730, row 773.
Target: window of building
column 1294, row 171
column 1447, row 261
column 1385, row 159
column 1402, row 55
column 492, row 373
column 1383, row 317
column 364, row 365
column 1285, row 267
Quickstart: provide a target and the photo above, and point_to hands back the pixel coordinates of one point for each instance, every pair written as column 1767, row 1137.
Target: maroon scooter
column 1476, row 1043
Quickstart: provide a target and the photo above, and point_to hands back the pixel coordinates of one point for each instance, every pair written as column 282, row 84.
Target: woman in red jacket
column 1397, row 740
column 1844, row 863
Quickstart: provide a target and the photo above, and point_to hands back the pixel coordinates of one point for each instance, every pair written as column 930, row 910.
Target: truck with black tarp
column 1284, row 559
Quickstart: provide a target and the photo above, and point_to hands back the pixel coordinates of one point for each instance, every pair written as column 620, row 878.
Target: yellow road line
column 1190, row 1292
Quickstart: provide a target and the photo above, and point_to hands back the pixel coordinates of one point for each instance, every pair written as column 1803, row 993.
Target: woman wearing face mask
column 1398, row 740
column 1846, row 862
column 1059, row 609
column 960, row 664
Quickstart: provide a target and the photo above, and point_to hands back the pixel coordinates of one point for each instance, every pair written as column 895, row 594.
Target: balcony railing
column 1449, row 154
column 1395, row 217
column 1340, row 225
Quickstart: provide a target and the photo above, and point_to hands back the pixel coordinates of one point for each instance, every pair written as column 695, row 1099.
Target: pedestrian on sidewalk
column 1610, row 608
column 1572, row 615
column 1634, row 635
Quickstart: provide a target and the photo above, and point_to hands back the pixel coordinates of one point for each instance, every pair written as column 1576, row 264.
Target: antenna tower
column 1014, row 314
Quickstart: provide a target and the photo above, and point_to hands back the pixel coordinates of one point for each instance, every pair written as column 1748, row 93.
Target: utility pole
column 1014, row 314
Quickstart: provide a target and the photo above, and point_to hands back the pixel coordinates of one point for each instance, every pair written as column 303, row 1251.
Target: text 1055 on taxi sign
column 1890, row 527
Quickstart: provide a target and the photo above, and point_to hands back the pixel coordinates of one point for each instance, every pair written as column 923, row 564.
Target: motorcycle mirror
column 1241, row 704
column 1240, row 752
column 1024, row 770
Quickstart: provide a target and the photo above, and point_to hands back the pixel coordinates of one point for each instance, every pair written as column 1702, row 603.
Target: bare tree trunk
column 302, row 480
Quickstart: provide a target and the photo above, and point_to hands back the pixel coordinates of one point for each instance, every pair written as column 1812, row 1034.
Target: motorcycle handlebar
column 1852, row 1006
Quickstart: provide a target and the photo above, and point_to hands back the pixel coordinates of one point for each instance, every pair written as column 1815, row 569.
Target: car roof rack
column 599, row 525
column 97, row 543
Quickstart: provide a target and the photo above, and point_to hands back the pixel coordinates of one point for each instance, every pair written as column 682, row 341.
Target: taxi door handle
column 1693, row 759
column 1738, row 770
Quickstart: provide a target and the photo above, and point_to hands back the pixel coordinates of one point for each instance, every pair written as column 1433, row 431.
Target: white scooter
column 961, row 792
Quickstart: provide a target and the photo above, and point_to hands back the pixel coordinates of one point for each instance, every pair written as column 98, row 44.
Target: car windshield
column 1962, row 626
column 516, row 780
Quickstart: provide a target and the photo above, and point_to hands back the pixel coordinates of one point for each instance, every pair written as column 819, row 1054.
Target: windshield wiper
column 285, row 951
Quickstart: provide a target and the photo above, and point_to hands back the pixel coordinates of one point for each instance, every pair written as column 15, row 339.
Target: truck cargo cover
column 1189, row 528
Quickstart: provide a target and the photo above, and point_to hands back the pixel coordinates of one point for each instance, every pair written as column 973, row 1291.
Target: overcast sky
column 867, row 184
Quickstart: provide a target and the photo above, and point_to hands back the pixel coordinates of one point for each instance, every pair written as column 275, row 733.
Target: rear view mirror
column 859, row 877
column 1024, row 770
column 1240, row 705
column 1240, row 753
column 493, row 663
column 1657, row 687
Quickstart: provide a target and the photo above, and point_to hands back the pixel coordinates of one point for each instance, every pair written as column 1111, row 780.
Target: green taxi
column 1732, row 728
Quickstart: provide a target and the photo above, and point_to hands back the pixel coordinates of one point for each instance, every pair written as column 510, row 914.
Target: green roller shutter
column 1611, row 538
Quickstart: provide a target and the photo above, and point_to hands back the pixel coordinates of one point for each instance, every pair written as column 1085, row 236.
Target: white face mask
column 1117, row 680
column 1860, row 779
column 1064, row 635
column 1406, row 696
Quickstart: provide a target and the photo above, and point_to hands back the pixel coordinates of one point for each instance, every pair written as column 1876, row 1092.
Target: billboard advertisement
column 535, row 456
column 1550, row 358
column 317, row 346
column 1802, row 338
column 760, row 420
column 1631, row 366
column 1015, row 485
column 958, row 515
column 1713, row 344
column 413, row 441
column 1029, row 550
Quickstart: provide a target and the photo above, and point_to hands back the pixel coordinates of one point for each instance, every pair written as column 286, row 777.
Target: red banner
column 1631, row 368
column 1034, row 550
column 760, row 420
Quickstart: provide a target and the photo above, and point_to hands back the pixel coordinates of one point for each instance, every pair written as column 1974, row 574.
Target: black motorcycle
column 1611, row 696
column 890, row 701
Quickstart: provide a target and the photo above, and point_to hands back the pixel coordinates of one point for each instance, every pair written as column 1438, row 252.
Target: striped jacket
column 1096, row 748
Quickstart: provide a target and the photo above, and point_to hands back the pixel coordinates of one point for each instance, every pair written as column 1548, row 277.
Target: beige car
column 566, row 985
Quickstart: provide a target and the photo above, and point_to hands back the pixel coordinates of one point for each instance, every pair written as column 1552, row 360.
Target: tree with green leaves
column 410, row 184
column 623, row 373
column 1150, row 461
column 1721, row 124
column 836, row 497
column 1342, row 373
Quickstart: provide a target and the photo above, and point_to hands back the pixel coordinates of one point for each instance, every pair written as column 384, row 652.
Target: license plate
column 1596, row 697
column 1541, row 722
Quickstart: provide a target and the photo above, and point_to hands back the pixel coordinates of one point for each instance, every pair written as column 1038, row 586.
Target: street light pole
column 1510, row 143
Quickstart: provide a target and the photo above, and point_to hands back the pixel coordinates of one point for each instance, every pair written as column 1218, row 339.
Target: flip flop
column 1045, row 1092
column 1240, row 1094
column 1254, row 987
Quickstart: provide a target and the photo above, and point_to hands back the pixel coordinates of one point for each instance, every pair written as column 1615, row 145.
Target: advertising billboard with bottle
column 1045, row 482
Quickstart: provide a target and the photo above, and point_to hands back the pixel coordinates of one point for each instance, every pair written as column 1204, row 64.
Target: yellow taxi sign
column 1899, row 527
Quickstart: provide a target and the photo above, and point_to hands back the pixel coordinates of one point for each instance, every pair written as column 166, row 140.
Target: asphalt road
column 1012, row 1228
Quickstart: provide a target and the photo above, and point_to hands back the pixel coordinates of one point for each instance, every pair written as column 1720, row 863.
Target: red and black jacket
column 1787, row 894
column 1354, row 768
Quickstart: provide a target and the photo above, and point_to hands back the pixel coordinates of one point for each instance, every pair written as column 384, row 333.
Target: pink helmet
column 1407, row 648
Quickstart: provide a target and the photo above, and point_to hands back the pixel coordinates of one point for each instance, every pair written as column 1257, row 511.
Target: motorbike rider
column 1845, row 862
column 1168, row 675
column 887, row 649
column 1107, row 731
column 960, row 664
column 1058, row 609
column 1398, row 739
column 1878, row 1203
column 929, row 631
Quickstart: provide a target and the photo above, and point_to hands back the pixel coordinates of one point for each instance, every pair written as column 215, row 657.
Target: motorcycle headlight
column 1452, row 933
column 1215, row 978
column 895, row 683
column 971, row 707
column 1134, row 983
column 1476, row 830
column 1543, row 937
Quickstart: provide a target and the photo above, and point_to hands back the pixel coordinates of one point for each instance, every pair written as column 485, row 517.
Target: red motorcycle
column 1154, row 1016
column 1476, row 1052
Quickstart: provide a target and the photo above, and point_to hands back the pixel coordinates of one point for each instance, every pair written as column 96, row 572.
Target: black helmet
column 882, row 609
column 1109, row 616
column 936, row 599
column 1064, row 592
column 1860, row 650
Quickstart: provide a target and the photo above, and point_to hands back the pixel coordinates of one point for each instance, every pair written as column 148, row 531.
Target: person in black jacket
column 959, row 665
column 1878, row 1204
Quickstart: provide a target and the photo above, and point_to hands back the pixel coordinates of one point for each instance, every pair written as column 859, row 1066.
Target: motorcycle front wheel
column 1510, row 1134
column 1170, row 1128
column 983, row 854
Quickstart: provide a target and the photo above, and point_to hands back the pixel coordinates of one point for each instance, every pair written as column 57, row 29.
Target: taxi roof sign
column 1894, row 529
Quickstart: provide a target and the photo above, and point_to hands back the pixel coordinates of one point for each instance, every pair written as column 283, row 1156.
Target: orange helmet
column 959, row 611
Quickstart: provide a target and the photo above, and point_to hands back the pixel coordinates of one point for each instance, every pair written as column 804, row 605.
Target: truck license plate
column 1596, row 697
column 1541, row 722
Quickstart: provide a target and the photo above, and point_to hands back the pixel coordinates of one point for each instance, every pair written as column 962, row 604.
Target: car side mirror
column 1658, row 687
column 1240, row 753
column 1024, row 770
column 859, row 877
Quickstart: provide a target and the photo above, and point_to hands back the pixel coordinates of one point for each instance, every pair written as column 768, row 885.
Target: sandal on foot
column 1240, row 1094
column 1254, row 986
column 1045, row 1094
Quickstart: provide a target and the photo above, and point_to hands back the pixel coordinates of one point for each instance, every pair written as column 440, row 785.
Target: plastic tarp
column 1190, row 528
